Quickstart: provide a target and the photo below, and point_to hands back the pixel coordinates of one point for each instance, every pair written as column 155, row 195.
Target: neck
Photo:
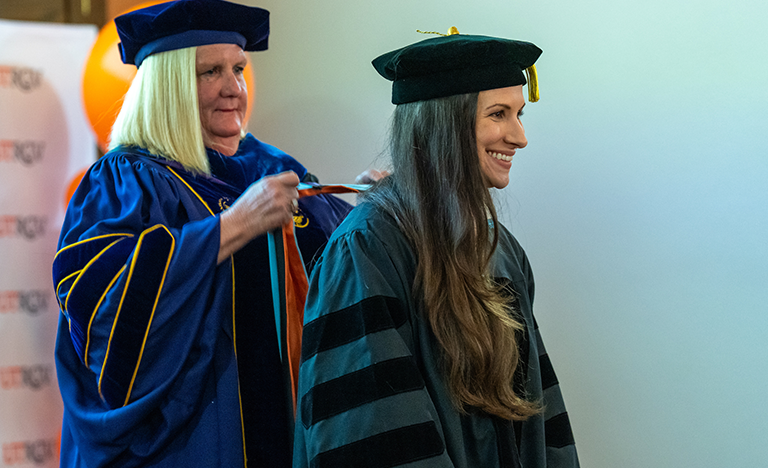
column 226, row 146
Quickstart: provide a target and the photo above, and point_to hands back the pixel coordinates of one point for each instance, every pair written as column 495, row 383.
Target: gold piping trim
column 58, row 287
column 128, row 234
column 87, row 265
column 234, row 326
column 234, row 342
column 193, row 191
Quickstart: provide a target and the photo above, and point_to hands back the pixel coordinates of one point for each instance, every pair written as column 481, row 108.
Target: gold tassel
column 533, row 83
column 453, row 30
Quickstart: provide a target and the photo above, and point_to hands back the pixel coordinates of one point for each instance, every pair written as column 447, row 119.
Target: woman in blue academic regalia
column 167, row 351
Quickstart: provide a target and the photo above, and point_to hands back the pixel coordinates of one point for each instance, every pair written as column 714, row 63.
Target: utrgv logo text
column 37, row 452
column 31, row 302
column 23, row 78
column 26, row 152
column 32, row 377
column 29, row 227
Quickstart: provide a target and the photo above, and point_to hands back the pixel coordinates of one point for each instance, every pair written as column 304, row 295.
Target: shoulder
column 122, row 192
column 370, row 253
column 126, row 176
column 366, row 257
column 510, row 260
column 123, row 164
column 365, row 221
column 508, row 243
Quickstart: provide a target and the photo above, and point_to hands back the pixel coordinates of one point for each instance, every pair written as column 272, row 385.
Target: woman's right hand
column 264, row 206
column 371, row 176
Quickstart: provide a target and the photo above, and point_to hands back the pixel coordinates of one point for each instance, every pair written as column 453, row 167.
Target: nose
column 515, row 134
column 232, row 85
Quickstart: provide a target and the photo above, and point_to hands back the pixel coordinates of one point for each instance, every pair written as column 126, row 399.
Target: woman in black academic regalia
column 420, row 347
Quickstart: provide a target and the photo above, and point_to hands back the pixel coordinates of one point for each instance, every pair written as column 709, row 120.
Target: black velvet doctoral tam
column 455, row 64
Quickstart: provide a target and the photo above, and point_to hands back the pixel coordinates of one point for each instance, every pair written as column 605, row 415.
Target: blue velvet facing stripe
column 144, row 283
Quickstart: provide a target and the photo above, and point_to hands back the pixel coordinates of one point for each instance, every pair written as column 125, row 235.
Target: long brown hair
column 438, row 195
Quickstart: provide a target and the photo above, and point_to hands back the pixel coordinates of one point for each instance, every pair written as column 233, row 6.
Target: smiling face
column 499, row 132
column 222, row 95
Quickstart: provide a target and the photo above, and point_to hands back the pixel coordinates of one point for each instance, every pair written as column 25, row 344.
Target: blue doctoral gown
column 165, row 358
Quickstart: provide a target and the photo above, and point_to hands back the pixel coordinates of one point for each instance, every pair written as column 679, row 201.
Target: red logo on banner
column 32, row 377
column 23, row 78
column 7, row 226
column 9, row 301
column 6, row 76
column 29, row 227
column 24, row 152
column 37, row 452
column 31, row 302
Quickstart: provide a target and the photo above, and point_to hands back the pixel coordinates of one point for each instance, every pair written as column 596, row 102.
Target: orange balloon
column 106, row 79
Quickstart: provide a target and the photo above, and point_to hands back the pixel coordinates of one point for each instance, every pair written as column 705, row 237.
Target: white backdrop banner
column 45, row 140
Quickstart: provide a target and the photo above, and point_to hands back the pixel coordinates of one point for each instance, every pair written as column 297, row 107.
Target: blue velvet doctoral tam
column 165, row 358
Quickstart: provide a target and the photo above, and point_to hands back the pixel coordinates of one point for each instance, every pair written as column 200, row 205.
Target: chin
column 228, row 133
column 498, row 183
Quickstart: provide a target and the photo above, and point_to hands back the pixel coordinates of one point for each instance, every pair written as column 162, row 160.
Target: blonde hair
column 161, row 113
